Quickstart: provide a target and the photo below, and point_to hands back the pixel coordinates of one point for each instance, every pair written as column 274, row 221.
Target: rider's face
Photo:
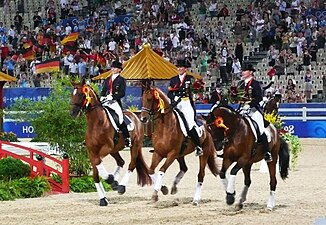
column 182, row 70
column 246, row 74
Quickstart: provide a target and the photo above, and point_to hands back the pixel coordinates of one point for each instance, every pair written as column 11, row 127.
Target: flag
column 51, row 65
column 70, row 38
column 69, row 48
column 28, row 53
column 101, row 60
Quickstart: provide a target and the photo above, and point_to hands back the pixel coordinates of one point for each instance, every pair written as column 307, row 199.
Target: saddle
column 114, row 118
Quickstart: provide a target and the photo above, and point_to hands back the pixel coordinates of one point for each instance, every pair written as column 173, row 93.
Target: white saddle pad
column 183, row 127
column 267, row 131
column 130, row 126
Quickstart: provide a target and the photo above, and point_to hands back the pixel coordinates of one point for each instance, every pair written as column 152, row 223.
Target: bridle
column 85, row 105
column 159, row 108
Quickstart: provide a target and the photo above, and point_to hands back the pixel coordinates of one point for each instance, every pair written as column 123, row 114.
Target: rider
column 181, row 96
column 253, row 92
column 113, row 90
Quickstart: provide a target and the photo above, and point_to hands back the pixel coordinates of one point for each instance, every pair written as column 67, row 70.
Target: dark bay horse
column 100, row 142
column 169, row 142
column 241, row 147
column 272, row 104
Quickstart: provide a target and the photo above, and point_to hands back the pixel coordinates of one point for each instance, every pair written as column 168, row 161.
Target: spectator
column 308, row 85
column 290, row 86
column 37, row 80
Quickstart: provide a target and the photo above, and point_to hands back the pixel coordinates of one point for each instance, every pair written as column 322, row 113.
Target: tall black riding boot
column 193, row 134
column 125, row 132
column 264, row 142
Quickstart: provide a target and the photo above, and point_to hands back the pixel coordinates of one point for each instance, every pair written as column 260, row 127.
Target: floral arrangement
column 198, row 86
column 8, row 136
column 292, row 140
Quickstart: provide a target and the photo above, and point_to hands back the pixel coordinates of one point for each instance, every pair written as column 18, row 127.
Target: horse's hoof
column 174, row 190
column 104, row 202
column 195, row 202
column 154, row 197
column 270, row 209
column 164, row 190
column 110, row 179
column 121, row 189
column 115, row 185
column 239, row 206
column 230, row 198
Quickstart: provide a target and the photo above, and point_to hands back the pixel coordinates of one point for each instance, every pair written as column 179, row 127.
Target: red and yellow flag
column 70, row 38
column 52, row 65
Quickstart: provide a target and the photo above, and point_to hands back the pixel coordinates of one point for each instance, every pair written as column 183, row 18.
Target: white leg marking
column 231, row 184
column 125, row 178
column 116, row 173
column 100, row 190
column 271, row 200
column 225, row 183
column 198, row 191
column 178, row 177
column 102, row 171
column 243, row 196
column 158, row 182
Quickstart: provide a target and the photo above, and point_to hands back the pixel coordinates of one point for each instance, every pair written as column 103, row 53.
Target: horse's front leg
column 114, row 176
column 230, row 190
column 247, row 181
column 225, row 165
column 183, row 169
column 99, row 170
column 160, row 175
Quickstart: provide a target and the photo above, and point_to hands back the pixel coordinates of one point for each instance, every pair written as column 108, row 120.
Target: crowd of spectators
column 288, row 30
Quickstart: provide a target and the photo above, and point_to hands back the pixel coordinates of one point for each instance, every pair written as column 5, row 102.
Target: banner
column 11, row 95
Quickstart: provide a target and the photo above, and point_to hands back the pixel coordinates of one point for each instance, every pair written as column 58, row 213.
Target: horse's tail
column 211, row 161
column 143, row 177
column 284, row 158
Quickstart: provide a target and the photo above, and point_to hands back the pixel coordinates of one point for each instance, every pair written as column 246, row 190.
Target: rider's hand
column 246, row 109
column 103, row 99
column 110, row 97
column 176, row 98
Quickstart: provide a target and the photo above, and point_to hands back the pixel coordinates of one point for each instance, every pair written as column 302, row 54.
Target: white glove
column 103, row 99
column 176, row 98
column 110, row 97
column 246, row 108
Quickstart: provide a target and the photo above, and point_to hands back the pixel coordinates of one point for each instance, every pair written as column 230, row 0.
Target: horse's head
column 153, row 101
column 82, row 98
column 221, row 121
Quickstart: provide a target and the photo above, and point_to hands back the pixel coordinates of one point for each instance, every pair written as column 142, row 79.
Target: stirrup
column 127, row 142
column 268, row 157
column 199, row 151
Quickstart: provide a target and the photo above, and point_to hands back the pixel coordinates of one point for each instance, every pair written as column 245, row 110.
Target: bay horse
column 169, row 142
column 100, row 142
column 272, row 104
column 240, row 146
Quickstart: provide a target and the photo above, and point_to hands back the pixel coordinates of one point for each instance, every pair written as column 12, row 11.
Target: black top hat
column 182, row 63
column 116, row 64
column 249, row 67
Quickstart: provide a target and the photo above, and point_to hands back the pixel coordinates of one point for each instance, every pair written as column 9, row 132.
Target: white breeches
column 185, row 107
column 117, row 109
column 258, row 117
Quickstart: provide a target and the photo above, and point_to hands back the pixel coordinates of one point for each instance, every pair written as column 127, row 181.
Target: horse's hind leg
column 183, row 169
column 114, row 176
column 247, row 181
column 200, row 180
column 272, row 184
column 99, row 170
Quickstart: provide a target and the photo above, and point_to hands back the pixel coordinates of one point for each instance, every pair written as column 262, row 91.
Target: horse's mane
column 162, row 94
column 227, row 107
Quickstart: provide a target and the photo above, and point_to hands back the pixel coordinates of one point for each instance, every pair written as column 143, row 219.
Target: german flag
column 51, row 65
column 70, row 38
column 101, row 60
column 28, row 53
